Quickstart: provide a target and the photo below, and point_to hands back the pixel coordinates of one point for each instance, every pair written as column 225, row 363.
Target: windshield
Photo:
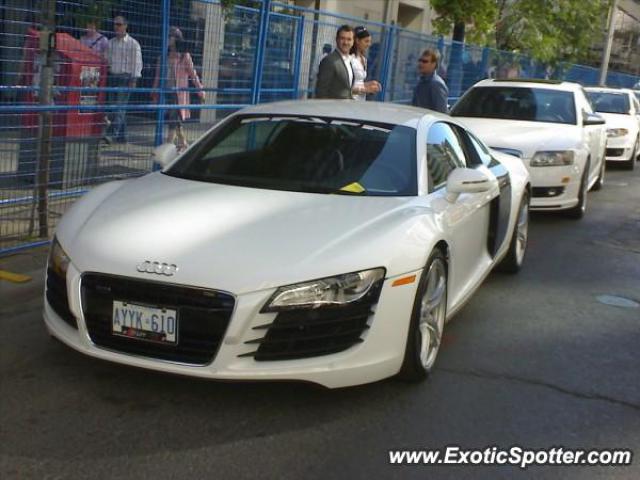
column 306, row 154
column 518, row 103
column 605, row 102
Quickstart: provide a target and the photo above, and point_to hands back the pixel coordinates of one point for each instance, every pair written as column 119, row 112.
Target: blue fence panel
column 235, row 58
column 278, row 82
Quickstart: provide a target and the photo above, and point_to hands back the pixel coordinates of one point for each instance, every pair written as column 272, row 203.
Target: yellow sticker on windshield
column 354, row 187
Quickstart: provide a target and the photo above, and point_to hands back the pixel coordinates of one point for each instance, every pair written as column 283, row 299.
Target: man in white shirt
column 125, row 68
column 335, row 74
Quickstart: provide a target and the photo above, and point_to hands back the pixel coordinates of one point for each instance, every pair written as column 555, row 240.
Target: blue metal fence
column 261, row 52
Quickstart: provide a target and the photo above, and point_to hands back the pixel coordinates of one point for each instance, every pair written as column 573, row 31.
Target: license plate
column 142, row 322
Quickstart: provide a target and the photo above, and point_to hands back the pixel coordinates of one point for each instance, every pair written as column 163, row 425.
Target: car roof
column 392, row 113
column 628, row 91
column 530, row 83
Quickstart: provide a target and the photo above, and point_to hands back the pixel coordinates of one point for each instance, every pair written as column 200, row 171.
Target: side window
column 444, row 154
column 475, row 152
column 482, row 151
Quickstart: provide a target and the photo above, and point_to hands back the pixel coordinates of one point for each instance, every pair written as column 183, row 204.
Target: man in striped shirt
column 125, row 68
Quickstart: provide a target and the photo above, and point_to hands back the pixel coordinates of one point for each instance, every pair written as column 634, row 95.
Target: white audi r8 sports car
column 621, row 110
column 323, row 241
column 551, row 126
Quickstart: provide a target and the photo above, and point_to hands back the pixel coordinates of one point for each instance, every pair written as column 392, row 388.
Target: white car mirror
column 466, row 180
column 164, row 154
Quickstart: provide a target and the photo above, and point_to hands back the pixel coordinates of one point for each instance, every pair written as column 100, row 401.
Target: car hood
column 619, row 120
column 527, row 137
column 235, row 238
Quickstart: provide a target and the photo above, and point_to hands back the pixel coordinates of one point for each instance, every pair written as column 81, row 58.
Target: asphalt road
column 533, row 360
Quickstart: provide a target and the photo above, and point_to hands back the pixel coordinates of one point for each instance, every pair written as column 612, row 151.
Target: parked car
column 551, row 126
column 297, row 240
column 621, row 110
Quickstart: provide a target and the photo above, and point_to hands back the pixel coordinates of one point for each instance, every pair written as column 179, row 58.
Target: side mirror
column 164, row 154
column 592, row 119
column 467, row 180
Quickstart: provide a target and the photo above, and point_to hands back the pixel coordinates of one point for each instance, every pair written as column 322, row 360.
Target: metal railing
column 263, row 52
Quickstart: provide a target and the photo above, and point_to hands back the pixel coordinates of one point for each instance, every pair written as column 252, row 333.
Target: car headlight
column 617, row 132
column 58, row 259
column 552, row 159
column 338, row 290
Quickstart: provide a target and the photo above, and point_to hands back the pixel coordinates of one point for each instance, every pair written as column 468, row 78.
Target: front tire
column 512, row 262
column 631, row 163
column 427, row 320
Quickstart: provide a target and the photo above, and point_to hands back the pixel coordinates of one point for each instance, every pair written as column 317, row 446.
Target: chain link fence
column 59, row 100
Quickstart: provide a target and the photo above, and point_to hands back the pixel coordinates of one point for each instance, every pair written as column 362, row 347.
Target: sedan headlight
column 58, row 259
column 338, row 290
column 552, row 159
column 617, row 132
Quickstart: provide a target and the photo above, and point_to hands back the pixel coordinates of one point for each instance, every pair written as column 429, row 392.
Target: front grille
column 203, row 316
column 547, row 192
column 57, row 297
column 301, row 333
column 615, row 152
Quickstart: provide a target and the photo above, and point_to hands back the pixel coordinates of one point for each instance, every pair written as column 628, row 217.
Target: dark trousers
column 118, row 127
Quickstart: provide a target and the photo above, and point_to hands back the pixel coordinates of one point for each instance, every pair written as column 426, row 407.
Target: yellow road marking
column 14, row 277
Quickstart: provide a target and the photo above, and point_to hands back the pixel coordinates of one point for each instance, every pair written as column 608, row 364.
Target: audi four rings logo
column 158, row 268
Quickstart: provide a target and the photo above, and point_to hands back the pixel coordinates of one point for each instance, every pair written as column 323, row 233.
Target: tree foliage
column 550, row 30
column 477, row 18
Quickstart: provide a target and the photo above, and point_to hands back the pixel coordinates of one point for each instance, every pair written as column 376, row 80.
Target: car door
column 479, row 157
column 636, row 109
column 465, row 220
column 595, row 135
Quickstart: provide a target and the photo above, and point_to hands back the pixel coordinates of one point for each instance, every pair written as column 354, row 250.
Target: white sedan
column 621, row 110
column 551, row 126
column 323, row 241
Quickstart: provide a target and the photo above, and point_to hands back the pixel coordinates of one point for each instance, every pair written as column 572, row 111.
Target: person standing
column 94, row 40
column 335, row 74
column 362, row 87
column 180, row 70
column 124, row 57
column 431, row 92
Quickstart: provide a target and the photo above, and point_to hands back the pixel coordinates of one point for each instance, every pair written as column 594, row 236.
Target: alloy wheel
column 432, row 313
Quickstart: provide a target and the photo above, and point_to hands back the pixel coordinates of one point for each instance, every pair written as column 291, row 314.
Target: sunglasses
column 119, row 24
column 422, row 60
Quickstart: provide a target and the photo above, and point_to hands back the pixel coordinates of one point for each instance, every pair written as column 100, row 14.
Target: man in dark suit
column 431, row 91
column 335, row 74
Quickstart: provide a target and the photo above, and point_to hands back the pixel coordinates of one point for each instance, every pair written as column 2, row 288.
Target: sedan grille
column 615, row 152
column 57, row 297
column 203, row 316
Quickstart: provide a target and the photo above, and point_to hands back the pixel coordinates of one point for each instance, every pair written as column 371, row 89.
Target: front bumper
column 554, row 188
column 379, row 356
column 619, row 149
